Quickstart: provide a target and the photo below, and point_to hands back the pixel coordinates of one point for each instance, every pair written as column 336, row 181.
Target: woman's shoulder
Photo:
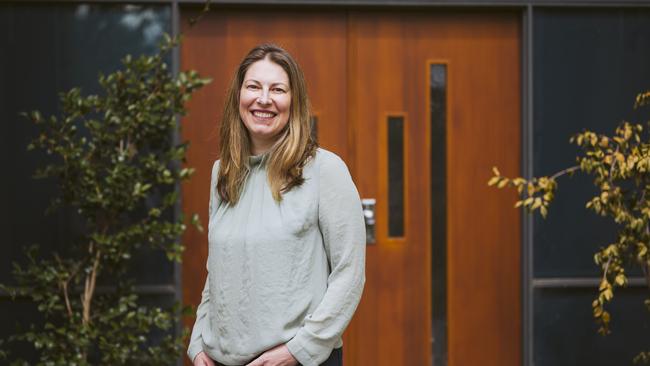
column 215, row 169
column 329, row 162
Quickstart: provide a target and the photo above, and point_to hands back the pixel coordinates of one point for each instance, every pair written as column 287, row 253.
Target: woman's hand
column 203, row 360
column 278, row 356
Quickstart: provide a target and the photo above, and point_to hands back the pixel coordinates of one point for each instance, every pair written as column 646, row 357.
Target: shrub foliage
column 118, row 166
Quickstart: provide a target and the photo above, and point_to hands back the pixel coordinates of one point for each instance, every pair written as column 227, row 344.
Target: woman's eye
column 252, row 87
column 278, row 90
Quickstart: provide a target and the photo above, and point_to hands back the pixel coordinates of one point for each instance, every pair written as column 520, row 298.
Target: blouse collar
column 257, row 159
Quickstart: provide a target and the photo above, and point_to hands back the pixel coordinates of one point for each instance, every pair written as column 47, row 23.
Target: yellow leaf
column 608, row 159
column 598, row 312
column 493, row 181
column 604, row 196
column 503, row 183
column 608, row 294
column 496, row 171
column 595, row 303
column 620, row 279
column 603, row 285
column 604, row 141
column 605, row 317
column 518, row 181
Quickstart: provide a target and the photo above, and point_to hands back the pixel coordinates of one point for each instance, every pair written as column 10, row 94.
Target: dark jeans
column 335, row 358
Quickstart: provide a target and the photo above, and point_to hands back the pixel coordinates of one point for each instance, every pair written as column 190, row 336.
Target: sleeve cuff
column 194, row 349
column 304, row 357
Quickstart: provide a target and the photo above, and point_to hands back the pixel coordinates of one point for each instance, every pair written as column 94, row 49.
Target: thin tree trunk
column 89, row 288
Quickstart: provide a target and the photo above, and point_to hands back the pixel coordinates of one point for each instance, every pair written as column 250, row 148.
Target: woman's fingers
column 203, row 360
column 256, row 362
column 278, row 356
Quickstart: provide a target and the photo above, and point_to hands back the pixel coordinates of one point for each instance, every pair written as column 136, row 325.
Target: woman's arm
column 202, row 318
column 340, row 219
column 196, row 340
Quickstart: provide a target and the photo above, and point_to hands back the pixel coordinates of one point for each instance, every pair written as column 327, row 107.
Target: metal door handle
column 368, row 205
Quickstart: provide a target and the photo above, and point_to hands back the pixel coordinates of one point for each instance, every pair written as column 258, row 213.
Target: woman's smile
column 263, row 115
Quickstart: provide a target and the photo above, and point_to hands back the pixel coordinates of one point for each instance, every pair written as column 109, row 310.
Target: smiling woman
column 286, row 232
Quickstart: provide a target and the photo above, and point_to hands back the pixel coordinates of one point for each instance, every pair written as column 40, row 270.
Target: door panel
column 365, row 69
column 390, row 59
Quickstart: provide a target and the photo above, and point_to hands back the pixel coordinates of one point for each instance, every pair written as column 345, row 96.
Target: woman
column 286, row 233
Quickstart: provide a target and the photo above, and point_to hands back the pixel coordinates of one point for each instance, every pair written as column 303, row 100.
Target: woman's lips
column 263, row 114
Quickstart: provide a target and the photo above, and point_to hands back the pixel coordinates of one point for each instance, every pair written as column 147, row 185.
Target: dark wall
column 588, row 66
column 46, row 49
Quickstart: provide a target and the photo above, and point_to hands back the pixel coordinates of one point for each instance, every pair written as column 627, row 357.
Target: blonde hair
column 294, row 146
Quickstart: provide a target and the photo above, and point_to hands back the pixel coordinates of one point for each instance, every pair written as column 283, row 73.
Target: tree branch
column 609, row 260
column 89, row 288
column 565, row 171
column 611, row 168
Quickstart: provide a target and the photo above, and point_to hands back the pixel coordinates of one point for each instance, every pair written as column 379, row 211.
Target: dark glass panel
column 47, row 49
column 395, row 176
column 438, row 110
column 566, row 335
column 588, row 67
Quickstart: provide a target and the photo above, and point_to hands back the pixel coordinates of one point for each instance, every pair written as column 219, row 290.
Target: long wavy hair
column 291, row 151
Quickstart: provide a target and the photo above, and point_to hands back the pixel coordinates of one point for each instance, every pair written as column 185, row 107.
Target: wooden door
column 368, row 72
column 391, row 57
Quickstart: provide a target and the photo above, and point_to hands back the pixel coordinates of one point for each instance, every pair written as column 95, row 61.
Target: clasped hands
column 277, row 356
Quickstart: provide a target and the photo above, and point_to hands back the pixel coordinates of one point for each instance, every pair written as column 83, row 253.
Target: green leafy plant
column 118, row 167
column 620, row 167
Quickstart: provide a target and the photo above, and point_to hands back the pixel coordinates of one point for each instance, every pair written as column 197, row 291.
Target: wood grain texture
column 391, row 54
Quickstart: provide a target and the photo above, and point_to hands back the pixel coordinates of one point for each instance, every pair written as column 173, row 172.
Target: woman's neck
column 260, row 147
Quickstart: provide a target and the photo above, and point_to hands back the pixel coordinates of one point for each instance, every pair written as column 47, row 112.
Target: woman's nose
column 264, row 98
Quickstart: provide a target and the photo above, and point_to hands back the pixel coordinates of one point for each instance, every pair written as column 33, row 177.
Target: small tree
column 117, row 166
column 620, row 167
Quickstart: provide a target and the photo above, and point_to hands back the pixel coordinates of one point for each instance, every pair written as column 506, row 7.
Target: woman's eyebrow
column 274, row 83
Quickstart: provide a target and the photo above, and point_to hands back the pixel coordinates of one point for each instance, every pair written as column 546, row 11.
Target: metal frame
column 178, row 271
column 428, row 3
column 523, row 4
column 526, row 8
column 527, row 159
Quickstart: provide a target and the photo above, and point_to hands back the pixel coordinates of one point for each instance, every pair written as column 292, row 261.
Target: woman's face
column 264, row 103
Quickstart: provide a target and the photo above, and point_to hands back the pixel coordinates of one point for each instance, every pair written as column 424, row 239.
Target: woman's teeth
column 263, row 114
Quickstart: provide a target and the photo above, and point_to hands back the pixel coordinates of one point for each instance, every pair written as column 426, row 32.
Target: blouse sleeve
column 340, row 219
column 202, row 318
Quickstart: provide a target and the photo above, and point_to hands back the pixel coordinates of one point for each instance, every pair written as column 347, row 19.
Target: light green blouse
column 289, row 272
